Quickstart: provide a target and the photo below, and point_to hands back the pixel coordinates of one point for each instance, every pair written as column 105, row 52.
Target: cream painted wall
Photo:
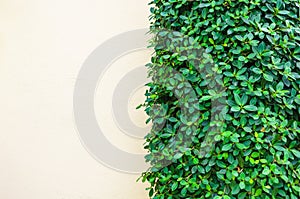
column 43, row 43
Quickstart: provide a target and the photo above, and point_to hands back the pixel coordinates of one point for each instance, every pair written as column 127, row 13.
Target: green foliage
column 243, row 51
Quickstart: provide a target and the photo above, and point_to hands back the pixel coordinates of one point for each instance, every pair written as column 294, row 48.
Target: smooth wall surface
column 43, row 44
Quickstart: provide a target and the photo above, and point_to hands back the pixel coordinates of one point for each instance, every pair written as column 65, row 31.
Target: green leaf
column 250, row 108
column 203, row 5
column 266, row 171
column 247, row 129
column 279, row 86
column 242, row 195
column 178, row 156
column 296, row 153
column 235, row 189
column 257, row 70
column 205, row 98
column 182, row 58
column 283, row 12
column 235, row 109
column 268, row 77
column 221, row 164
column 242, row 58
column 226, row 147
column 242, row 185
column 237, row 99
column 174, row 186
column 227, row 133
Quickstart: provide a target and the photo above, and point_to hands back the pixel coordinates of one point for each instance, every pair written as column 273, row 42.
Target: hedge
column 224, row 99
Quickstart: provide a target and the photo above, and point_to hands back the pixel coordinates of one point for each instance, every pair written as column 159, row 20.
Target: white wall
column 43, row 44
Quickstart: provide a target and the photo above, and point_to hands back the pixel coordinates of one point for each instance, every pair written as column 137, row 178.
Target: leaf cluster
column 254, row 52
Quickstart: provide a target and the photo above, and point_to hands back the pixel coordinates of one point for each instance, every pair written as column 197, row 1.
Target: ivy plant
column 224, row 100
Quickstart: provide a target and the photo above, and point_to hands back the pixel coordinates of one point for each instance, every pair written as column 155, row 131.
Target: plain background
column 43, row 44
